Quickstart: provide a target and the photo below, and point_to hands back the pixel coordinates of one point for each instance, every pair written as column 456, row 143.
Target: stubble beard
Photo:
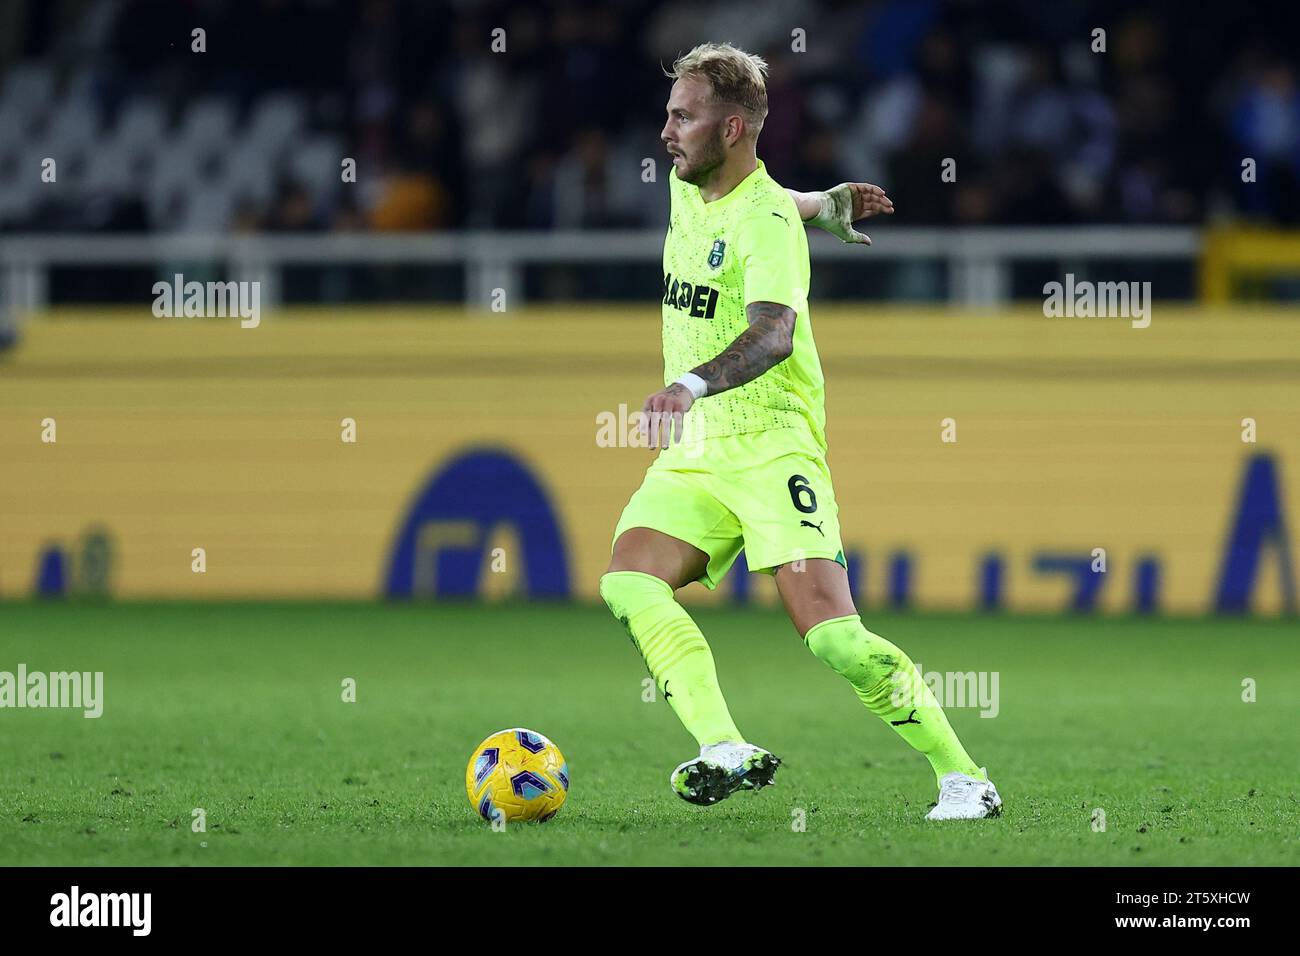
column 712, row 156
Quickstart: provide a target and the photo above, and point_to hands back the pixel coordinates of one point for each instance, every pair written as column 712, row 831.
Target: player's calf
column 887, row 683
column 674, row 651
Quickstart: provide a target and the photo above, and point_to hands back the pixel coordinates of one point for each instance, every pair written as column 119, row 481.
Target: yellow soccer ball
column 517, row 775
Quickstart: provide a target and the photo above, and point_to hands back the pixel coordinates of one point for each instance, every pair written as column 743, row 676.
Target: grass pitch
column 237, row 709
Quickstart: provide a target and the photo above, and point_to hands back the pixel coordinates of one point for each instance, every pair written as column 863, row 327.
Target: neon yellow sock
column 888, row 684
column 674, row 650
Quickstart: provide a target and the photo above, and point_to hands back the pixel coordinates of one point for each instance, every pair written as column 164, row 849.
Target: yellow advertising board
column 1004, row 460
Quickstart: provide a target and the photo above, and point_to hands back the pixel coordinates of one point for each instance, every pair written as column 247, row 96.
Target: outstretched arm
column 837, row 209
column 767, row 341
column 808, row 204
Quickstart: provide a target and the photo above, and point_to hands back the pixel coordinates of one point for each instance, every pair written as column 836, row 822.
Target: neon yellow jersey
column 748, row 246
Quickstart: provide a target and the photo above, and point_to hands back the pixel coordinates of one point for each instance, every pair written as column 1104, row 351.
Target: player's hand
column 845, row 204
column 662, row 416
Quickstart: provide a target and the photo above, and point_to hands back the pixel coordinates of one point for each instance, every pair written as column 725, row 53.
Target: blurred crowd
column 552, row 132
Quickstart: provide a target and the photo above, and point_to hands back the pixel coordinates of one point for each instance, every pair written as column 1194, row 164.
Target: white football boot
column 722, row 769
column 965, row 798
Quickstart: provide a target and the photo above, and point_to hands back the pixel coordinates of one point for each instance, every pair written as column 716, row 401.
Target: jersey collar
column 723, row 201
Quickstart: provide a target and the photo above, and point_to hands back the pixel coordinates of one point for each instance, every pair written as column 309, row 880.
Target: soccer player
column 745, row 389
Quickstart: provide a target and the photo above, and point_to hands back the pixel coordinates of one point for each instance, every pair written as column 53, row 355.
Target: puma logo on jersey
column 808, row 524
column 701, row 301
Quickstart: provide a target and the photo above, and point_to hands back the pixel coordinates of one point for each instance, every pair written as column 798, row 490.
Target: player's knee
column 627, row 592
column 609, row 591
column 848, row 648
column 836, row 643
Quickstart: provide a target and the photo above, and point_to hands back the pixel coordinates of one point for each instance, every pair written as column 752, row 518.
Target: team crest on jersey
column 716, row 253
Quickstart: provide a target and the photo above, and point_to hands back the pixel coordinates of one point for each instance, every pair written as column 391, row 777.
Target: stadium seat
column 208, row 124
column 206, row 210
column 276, row 121
column 75, row 125
column 29, row 88
column 110, row 171
column 316, row 163
column 250, row 173
column 141, row 126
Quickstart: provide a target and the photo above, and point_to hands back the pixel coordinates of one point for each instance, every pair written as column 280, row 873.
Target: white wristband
column 694, row 384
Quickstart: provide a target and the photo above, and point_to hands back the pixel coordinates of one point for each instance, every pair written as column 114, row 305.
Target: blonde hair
column 733, row 76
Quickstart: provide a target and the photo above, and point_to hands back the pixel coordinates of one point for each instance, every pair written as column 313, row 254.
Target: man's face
column 693, row 131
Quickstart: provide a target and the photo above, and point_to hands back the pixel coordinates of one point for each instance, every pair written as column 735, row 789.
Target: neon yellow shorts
column 767, row 492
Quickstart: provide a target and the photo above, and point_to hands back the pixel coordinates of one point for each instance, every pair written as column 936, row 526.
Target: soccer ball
column 517, row 775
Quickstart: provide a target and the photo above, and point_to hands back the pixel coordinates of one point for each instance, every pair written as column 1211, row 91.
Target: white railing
column 978, row 259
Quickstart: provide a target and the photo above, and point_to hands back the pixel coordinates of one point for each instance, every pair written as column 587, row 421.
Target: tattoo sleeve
column 768, row 341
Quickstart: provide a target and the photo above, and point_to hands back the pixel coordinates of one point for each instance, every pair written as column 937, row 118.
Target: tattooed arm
column 768, row 341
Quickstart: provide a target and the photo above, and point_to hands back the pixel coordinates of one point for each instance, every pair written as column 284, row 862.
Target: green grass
column 237, row 709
